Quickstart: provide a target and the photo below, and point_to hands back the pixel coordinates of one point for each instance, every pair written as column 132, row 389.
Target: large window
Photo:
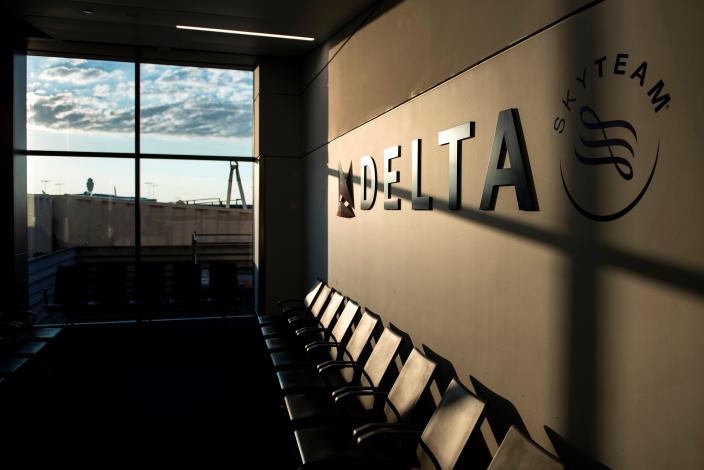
column 102, row 132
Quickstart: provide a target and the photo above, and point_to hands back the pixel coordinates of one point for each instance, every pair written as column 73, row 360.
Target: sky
column 88, row 105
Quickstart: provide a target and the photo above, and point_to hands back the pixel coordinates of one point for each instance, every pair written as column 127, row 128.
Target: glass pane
column 186, row 220
column 196, row 111
column 80, row 211
column 80, row 105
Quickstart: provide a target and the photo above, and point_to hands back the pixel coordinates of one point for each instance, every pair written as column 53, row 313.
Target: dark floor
column 166, row 390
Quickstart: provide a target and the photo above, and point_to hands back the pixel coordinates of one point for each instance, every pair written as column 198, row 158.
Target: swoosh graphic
column 620, row 213
column 590, row 120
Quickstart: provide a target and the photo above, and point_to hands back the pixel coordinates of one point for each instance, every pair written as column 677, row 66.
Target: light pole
column 150, row 186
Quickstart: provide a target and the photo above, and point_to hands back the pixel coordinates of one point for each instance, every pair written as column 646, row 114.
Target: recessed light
column 87, row 12
column 246, row 33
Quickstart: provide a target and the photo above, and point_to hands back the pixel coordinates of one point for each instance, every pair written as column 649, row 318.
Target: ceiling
column 152, row 23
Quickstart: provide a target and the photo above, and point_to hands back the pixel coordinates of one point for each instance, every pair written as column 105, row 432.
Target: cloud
column 67, row 111
column 207, row 119
column 176, row 101
column 69, row 74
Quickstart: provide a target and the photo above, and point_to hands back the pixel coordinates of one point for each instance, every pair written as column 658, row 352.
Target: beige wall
column 407, row 47
column 591, row 328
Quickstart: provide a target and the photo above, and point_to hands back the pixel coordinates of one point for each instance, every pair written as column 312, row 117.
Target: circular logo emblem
column 608, row 135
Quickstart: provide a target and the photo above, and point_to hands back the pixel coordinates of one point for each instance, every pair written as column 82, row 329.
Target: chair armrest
column 327, row 365
column 322, row 344
column 300, row 318
column 369, row 427
column 348, row 388
column 397, row 434
column 288, row 301
column 359, row 393
column 311, row 329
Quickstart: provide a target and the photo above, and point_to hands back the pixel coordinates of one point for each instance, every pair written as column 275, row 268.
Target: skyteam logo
column 345, row 206
column 610, row 150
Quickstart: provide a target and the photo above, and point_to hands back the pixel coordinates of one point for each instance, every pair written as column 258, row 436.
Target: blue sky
column 88, row 105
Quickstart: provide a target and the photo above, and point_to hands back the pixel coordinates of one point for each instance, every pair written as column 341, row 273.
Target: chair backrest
column 343, row 323
column 381, row 356
column 360, row 336
column 517, row 452
column 320, row 301
column 331, row 309
column 445, row 436
column 410, row 384
column 310, row 296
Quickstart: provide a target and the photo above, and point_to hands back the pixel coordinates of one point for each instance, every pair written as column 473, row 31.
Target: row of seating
column 105, row 287
column 22, row 344
column 333, row 363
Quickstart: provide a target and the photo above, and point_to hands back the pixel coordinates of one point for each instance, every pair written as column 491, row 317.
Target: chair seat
column 289, row 359
column 46, row 333
column 278, row 343
column 299, row 379
column 328, row 447
column 273, row 330
column 308, row 408
column 268, row 320
column 10, row 365
column 30, row 348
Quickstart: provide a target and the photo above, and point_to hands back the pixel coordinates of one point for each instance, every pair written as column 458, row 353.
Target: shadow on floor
column 169, row 390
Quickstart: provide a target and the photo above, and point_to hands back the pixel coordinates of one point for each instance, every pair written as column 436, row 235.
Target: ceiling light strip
column 246, row 33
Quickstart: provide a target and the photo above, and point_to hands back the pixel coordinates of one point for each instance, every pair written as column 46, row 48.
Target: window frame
column 137, row 155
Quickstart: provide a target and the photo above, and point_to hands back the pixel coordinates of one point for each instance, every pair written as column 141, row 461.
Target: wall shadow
column 406, row 343
column 445, row 371
column 671, row 274
column 501, row 414
column 572, row 458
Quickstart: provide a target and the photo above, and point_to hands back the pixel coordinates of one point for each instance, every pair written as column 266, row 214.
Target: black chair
column 331, row 444
column 286, row 304
column 292, row 305
column 20, row 341
column 292, row 357
column 441, row 443
column 326, row 374
column 316, row 407
column 312, row 338
column 298, row 317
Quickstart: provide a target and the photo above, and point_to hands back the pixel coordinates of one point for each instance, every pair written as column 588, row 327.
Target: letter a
column 509, row 138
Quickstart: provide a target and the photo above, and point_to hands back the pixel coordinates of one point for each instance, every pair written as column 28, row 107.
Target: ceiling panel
column 151, row 23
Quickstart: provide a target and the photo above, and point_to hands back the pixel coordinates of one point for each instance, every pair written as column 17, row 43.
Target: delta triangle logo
column 345, row 200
